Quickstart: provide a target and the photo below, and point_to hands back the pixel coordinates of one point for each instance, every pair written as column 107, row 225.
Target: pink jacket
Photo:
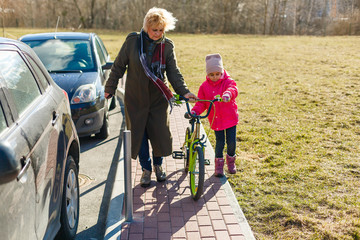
column 226, row 113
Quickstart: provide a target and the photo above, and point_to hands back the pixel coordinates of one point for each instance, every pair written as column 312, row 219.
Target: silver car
column 39, row 150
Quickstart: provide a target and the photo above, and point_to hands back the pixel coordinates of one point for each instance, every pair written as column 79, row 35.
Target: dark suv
column 39, row 150
column 79, row 63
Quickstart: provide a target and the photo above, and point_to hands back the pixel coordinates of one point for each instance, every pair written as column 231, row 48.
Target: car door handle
column 55, row 118
column 26, row 165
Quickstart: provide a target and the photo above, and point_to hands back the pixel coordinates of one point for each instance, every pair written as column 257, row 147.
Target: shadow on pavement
column 97, row 231
column 171, row 202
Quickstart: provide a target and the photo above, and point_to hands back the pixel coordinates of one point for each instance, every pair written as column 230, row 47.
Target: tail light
column 66, row 95
column 67, row 98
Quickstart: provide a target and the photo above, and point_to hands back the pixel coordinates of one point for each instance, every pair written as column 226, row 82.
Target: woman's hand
column 192, row 97
column 108, row 95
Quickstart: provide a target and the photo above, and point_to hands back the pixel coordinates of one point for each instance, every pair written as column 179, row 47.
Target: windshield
column 64, row 55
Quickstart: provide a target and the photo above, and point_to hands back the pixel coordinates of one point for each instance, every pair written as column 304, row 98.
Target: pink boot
column 219, row 167
column 230, row 162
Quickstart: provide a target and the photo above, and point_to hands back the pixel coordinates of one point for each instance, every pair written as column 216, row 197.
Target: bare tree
column 266, row 4
column 81, row 16
column 295, row 17
column 311, row 4
column 282, row 14
column 195, row 16
column 3, row 7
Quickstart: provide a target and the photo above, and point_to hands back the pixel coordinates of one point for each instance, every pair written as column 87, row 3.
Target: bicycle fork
column 195, row 142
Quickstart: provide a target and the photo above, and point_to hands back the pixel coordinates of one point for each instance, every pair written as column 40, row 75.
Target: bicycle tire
column 186, row 150
column 197, row 174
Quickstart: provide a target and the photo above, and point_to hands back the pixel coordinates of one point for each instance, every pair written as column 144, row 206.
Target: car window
column 2, row 119
column 64, row 55
column 102, row 47
column 100, row 52
column 18, row 80
column 40, row 75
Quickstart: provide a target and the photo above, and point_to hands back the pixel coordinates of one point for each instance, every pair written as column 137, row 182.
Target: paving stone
column 166, row 210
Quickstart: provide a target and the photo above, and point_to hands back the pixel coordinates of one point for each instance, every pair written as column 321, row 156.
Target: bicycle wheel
column 197, row 174
column 186, row 150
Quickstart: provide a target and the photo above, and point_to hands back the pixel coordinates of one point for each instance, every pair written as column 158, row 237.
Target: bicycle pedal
column 178, row 155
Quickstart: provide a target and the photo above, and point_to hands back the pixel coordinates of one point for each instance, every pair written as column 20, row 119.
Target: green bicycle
column 193, row 148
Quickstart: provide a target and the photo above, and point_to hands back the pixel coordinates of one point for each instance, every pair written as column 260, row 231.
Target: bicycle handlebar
column 180, row 98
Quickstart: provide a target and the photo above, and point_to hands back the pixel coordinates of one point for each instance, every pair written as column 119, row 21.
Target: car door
column 38, row 119
column 48, row 151
column 18, row 197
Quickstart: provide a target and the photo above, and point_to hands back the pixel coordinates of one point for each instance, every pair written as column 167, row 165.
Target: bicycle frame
column 194, row 140
column 193, row 149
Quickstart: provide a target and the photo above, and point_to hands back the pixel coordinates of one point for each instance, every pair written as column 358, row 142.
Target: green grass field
column 298, row 137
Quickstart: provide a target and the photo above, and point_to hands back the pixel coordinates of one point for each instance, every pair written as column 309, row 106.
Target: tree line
column 268, row 17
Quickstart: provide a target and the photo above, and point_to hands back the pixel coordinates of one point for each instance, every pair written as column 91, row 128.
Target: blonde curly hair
column 159, row 17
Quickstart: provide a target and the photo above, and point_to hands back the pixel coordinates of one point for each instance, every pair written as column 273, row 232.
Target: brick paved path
column 167, row 211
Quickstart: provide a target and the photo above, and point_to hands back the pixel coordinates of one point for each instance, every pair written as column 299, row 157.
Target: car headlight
column 85, row 93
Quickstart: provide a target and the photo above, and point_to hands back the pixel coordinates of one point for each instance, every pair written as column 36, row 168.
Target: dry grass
column 299, row 129
column 298, row 136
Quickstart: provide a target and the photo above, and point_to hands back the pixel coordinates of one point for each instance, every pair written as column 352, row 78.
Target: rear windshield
column 64, row 55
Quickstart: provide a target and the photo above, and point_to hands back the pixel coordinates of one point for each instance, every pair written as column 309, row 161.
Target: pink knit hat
column 214, row 63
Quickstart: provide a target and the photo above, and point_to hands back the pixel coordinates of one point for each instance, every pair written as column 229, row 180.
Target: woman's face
column 155, row 32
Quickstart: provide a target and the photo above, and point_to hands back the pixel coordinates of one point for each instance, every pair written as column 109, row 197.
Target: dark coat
column 145, row 106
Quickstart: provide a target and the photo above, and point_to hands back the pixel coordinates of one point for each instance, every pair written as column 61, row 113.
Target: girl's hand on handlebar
column 226, row 97
column 192, row 97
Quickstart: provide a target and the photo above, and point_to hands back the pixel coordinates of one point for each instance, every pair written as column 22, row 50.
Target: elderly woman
column 147, row 56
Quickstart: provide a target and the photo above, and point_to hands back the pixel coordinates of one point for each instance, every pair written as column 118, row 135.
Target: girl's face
column 155, row 32
column 214, row 76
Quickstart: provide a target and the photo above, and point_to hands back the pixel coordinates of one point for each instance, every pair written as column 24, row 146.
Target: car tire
column 104, row 130
column 69, row 218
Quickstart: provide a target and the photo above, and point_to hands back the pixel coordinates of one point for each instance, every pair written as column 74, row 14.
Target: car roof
column 57, row 35
column 8, row 40
column 12, row 42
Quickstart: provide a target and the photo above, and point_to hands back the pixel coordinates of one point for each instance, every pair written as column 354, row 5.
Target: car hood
column 71, row 81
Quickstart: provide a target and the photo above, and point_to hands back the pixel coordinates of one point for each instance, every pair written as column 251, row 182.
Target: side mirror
column 9, row 167
column 107, row 66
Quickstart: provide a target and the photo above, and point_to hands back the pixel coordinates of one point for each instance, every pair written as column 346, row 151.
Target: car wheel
column 104, row 130
column 70, row 202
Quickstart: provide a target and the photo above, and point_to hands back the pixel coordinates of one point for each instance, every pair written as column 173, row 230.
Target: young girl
column 218, row 82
